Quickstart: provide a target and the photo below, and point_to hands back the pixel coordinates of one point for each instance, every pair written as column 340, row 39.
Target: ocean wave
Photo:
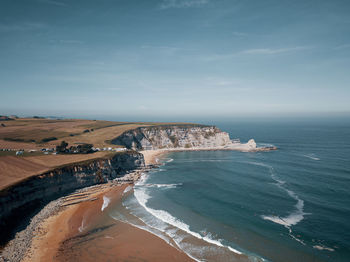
column 312, row 156
column 127, row 189
column 295, row 216
column 142, row 197
column 203, row 160
column 322, row 247
column 162, row 185
column 144, row 177
column 106, row 202
column 265, row 145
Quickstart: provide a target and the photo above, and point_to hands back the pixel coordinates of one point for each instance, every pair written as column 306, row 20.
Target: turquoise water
column 287, row 205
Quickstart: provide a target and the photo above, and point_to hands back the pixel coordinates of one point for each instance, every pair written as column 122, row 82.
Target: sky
column 174, row 59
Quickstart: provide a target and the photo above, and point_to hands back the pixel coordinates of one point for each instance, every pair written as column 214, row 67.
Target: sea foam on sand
column 106, row 202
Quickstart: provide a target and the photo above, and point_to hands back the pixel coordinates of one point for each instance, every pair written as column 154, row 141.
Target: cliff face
column 158, row 137
column 24, row 197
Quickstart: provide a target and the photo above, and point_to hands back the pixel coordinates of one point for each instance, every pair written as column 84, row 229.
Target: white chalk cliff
column 181, row 137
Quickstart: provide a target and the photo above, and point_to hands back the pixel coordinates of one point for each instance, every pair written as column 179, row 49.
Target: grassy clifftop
column 34, row 132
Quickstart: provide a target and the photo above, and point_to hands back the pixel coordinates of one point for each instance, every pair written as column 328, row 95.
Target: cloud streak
column 166, row 4
column 257, row 51
column 271, row 51
column 52, row 2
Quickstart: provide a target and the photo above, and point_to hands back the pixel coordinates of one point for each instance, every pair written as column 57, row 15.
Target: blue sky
column 174, row 58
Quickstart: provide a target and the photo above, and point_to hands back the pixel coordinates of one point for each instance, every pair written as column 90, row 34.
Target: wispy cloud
column 257, row 51
column 53, row 2
column 21, row 26
column 70, row 41
column 167, row 50
column 182, row 3
column 239, row 34
column 271, row 51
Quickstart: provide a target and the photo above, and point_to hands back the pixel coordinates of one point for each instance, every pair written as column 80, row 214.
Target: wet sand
column 82, row 232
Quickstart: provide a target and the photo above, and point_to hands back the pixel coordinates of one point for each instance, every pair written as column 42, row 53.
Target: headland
column 37, row 174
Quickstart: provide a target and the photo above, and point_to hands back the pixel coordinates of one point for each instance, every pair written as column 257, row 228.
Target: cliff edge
column 183, row 137
column 23, row 199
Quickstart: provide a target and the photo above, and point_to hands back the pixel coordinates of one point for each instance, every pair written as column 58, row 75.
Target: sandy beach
column 80, row 231
column 152, row 156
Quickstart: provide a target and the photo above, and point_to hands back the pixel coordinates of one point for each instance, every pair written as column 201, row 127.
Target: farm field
column 30, row 133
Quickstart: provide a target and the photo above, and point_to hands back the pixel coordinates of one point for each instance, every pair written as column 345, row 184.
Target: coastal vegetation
column 48, row 139
column 80, row 149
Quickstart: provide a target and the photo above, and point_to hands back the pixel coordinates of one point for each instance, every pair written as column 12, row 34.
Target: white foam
column 288, row 221
column 170, row 160
column 81, row 228
column 295, row 216
column 208, row 238
column 312, row 156
column 265, row 145
column 142, row 197
column 163, row 185
column 106, row 202
column 127, row 189
column 161, row 220
column 321, row 247
column 234, row 250
column 142, row 180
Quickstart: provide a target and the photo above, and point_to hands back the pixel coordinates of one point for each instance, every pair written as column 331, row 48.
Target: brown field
column 19, row 145
column 35, row 130
column 14, row 169
column 28, row 133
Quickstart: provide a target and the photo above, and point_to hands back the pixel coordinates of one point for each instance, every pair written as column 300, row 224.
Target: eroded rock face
column 251, row 144
column 151, row 138
column 18, row 200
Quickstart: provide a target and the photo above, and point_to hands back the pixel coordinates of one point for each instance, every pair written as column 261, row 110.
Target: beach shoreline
column 84, row 214
column 67, row 218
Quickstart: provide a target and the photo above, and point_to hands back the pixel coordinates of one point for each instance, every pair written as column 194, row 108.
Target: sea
column 292, row 204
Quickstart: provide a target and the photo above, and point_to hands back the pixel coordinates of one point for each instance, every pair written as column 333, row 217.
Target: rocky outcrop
column 184, row 137
column 29, row 195
column 167, row 137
